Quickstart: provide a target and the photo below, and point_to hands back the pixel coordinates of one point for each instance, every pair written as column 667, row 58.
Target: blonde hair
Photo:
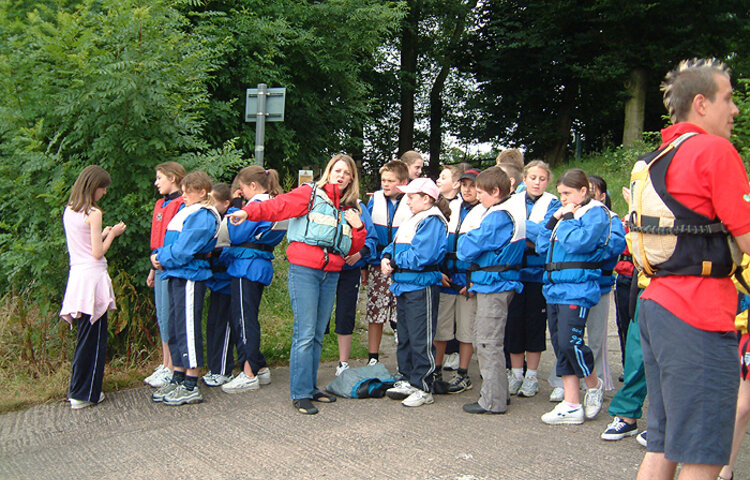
column 82, row 194
column 538, row 164
column 690, row 78
column 410, row 157
column 196, row 181
column 350, row 195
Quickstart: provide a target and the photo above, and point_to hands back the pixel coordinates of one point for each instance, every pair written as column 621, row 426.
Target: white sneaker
column 79, row 404
column 529, row 388
column 418, row 398
column 264, row 376
column 451, row 362
column 557, row 395
column 514, row 384
column 156, row 373
column 215, row 379
column 562, row 414
column 400, row 390
column 373, row 361
column 162, row 378
column 341, row 367
column 241, row 383
column 592, row 402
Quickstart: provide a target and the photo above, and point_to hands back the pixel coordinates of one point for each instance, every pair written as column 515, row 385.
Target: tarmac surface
column 258, row 435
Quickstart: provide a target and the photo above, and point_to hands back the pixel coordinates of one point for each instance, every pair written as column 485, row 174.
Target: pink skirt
column 89, row 292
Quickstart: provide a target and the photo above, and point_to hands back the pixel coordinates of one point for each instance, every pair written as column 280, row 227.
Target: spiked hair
column 690, row 78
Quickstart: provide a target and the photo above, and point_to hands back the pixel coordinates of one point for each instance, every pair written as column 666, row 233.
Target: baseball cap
column 470, row 175
column 421, row 185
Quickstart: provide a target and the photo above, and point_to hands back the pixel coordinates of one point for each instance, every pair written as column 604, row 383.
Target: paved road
column 257, row 435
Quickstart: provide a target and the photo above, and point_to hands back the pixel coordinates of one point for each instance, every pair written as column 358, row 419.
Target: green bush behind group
column 129, row 84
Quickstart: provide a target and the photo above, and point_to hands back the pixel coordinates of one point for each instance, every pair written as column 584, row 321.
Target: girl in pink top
column 89, row 294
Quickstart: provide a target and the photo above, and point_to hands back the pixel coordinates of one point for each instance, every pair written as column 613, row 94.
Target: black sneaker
column 459, row 383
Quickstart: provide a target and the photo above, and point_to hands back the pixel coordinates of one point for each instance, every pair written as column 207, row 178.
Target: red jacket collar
column 672, row 132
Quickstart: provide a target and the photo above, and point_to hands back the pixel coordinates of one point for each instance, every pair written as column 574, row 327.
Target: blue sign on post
column 263, row 105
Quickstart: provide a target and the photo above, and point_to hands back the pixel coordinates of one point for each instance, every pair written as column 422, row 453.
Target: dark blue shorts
column 692, row 377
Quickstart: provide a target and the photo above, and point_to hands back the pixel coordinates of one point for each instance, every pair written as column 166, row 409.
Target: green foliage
column 121, row 84
column 613, row 165
column 741, row 131
column 321, row 52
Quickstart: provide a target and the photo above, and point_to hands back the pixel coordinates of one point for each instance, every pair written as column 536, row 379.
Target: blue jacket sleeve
column 427, row 246
column 534, row 229
column 583, row 235
column 616, row 239
column 197, row 231
column 247, row 230
column 371, row 241
column 493, row 233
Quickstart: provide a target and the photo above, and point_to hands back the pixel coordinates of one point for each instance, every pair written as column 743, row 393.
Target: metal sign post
column 263, row 105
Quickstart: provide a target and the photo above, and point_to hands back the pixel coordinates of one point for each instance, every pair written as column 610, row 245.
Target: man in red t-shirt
column 687, row 322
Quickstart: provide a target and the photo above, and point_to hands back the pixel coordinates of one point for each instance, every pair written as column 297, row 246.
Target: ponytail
column 442, row 204
column 266, row 178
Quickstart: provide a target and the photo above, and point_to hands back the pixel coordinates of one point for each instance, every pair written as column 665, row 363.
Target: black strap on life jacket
column 556, row 266
column 256, row 246
column 701, row 239
column 202, row 256
column 743, row 349
column 474, row 267
column 428, row 268
column 625, row 258
column 741, row 280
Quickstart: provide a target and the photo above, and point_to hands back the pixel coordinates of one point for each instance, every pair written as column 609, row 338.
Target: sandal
column 322, row 397
column 305, row 406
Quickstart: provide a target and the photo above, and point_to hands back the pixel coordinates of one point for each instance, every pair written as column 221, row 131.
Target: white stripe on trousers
column 430, row 336
column 225, row 352
column 96, row 359
column 190, row 323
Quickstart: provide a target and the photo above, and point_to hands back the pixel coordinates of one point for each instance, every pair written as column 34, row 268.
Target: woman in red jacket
column 324, row 227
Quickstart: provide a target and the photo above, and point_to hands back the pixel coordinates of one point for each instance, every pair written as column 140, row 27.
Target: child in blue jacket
column 574, row 243
column 250, row 268
column 495, row 251
column 413, row 259
column 219, row 339
column 190, row 238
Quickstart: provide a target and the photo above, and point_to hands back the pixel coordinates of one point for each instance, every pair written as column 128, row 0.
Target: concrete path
column 258, row 435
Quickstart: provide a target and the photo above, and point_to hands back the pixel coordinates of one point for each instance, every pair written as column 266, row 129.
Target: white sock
column 530, row 373
column 517, row 372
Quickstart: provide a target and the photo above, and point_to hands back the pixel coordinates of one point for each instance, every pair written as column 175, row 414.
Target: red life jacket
column 160, row 220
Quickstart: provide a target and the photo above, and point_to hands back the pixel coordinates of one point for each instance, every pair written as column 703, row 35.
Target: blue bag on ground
column 363, row 382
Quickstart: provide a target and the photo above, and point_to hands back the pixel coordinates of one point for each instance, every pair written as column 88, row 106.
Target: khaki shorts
column 456, row 313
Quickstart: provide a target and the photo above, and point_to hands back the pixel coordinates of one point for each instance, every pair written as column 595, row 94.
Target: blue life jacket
column 323, row 225
column 459, row 223
column 497, row 270
column 417, row 265
column 387, row 216
column 190, row 238
column 252, row 245
column 574, row 251
column 615, row 246
column 538, row 212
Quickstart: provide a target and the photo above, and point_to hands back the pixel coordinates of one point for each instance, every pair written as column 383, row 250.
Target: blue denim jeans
column 161, row 302
column 312, row 293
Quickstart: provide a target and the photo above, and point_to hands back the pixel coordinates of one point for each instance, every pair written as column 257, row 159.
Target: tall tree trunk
column 436, row 122
column 408, row 76
column 635, row 107
column 555, row 155
column 436, row 93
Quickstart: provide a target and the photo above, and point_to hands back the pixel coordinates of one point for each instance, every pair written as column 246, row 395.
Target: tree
column 322, row 52
column 545, row 68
